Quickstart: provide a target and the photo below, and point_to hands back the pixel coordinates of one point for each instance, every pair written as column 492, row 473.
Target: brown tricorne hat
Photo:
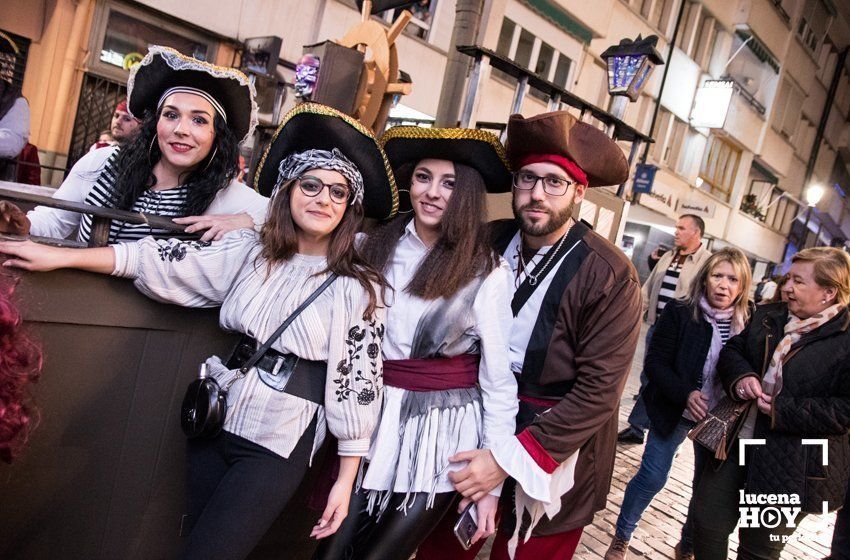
column 560, row 133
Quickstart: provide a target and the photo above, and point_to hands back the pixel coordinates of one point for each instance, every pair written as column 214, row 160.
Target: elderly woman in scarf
column 792, row 366
column 681, row 363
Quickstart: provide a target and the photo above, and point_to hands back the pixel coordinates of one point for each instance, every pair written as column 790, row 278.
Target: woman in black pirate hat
column 448, row 384
column 181, row 164
column 325, row 172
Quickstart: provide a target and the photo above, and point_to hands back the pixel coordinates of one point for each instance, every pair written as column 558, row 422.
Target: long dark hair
column 279, row 237
column 134, row 167
column 462, row 251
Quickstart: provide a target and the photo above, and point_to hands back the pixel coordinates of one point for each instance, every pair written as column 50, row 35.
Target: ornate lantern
column 630, row 64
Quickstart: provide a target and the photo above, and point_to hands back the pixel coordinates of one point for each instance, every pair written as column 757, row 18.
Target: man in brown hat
column 576, row 324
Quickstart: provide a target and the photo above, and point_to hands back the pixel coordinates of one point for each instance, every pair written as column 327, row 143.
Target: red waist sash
column 432, row 374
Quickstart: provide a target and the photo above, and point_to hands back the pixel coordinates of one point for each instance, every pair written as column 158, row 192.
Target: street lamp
column 629, row 65
column 813, row 195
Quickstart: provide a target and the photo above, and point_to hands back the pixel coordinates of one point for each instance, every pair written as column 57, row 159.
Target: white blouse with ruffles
column 441, row 433
column 255, row 299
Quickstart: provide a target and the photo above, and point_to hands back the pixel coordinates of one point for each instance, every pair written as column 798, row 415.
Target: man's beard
column 554, row 223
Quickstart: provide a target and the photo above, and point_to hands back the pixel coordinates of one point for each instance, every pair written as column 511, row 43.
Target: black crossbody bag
column 204, row 406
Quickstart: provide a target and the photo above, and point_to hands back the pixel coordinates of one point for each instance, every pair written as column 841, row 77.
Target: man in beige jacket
column 670, row 279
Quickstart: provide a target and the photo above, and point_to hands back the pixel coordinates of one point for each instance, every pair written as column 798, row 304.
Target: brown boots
column 617, row 550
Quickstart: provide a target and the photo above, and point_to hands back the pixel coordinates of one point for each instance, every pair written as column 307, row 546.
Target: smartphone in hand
column 466, row 526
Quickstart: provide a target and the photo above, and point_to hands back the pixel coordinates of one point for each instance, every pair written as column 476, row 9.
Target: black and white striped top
column 90, row 181
column 168, row 203
column 669, row 283
column 724, row 327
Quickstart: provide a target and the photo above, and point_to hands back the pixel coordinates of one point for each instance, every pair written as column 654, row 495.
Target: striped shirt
column 90, row 181
column 724, row 327
column 170, row 203
column 669, row 282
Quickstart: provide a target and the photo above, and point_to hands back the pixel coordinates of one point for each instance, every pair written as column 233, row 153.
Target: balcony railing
column 748, row 97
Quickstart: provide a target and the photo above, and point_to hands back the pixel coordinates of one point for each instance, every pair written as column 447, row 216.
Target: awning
column 557, row 15
column 761, row 168
column 758, row 48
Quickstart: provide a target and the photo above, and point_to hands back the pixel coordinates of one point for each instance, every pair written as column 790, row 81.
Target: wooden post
column 467, row 17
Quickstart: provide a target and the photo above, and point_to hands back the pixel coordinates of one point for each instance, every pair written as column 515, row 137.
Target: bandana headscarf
column 294, row 165
column 563, row 162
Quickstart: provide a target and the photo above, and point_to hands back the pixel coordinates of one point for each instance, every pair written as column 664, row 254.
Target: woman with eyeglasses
column 182, row 163
column 327, row 172
column 448, row 384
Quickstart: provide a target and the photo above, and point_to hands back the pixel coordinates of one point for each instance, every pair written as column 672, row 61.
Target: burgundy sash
column 432, row 374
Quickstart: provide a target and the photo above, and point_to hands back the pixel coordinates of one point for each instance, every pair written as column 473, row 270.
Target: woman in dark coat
column 792, row 363
column 681, row 365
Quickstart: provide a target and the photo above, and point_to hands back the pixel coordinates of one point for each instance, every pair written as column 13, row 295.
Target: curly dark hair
column 134, row 167
column 461, row 253
column 20, row 365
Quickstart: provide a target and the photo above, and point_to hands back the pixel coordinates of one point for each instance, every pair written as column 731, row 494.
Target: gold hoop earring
column 408, row 197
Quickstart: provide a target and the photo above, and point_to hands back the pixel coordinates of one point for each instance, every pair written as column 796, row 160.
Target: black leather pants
column 395, row 536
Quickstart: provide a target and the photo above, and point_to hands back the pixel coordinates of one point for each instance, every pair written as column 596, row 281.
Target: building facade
column 783, row 61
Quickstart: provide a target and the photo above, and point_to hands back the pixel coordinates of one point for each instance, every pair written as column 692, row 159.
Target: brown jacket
column 593, row 342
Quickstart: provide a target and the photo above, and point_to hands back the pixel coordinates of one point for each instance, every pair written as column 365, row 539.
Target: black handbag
column 204, row 407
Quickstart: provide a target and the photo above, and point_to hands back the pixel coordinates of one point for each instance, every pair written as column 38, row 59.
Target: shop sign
column 644, row 177
column 662, row 199
column 701, row 208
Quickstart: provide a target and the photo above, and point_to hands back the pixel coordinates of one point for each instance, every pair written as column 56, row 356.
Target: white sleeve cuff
column 515, row 460
column 126, row 260
column 353, row 447
column 497, row 491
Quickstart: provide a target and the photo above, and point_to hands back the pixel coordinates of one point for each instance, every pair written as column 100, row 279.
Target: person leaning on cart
column 181, row 164
column 323, row 373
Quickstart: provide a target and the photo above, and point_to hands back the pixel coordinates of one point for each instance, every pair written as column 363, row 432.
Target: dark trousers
column 841, row 536
column 638, row 418
column 236, row 490
column 715, row 508
column 396, row 534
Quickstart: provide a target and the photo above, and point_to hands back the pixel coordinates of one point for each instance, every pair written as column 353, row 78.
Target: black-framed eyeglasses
column 525, row 181
column 312, row 186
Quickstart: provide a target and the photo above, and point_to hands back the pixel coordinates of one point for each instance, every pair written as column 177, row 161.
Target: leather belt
column 285, row 373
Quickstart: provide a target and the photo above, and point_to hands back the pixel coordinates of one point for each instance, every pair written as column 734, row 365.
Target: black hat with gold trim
column 164, row 71
column 317, row 133
column 478, row 149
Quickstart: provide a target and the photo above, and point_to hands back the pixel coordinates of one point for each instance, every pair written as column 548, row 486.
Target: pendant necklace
column 532, row 278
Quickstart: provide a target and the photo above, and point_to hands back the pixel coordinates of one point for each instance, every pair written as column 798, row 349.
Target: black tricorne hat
column 478, row 149
column 311, row 126
column 164, row 68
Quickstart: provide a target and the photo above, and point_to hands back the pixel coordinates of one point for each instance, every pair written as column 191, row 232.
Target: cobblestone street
column 662, row 522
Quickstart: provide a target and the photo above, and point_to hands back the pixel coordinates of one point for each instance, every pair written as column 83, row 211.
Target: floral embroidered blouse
column 255, row 299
